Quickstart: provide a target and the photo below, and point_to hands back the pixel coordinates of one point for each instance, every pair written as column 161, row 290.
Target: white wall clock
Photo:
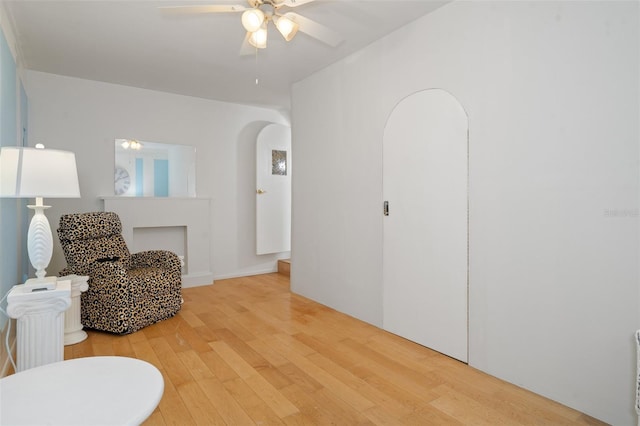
column 122, row 180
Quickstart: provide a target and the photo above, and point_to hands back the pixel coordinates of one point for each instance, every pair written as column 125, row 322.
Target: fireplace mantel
column 150, row 214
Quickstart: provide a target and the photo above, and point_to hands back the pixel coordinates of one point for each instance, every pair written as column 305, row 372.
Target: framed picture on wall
column 278, row 162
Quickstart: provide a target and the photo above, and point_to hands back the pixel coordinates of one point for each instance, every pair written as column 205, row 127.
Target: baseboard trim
column 4, row 357
column 197, row 280
column 247, row 273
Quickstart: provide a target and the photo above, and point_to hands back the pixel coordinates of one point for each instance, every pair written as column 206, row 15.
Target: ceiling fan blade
column 213, row 8
column 315, row 30
column 246, row 48
column 293, row 3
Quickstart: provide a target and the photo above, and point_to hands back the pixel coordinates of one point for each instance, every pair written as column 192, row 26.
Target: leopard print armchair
column 126, row 291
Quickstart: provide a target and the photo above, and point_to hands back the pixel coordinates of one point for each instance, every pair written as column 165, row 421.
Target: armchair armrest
column 102, row 275
column 106, row 271
column 158, row 259
column 64, row 272
column 108, row 282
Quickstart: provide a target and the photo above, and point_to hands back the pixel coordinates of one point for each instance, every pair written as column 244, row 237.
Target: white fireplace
column 180, row 225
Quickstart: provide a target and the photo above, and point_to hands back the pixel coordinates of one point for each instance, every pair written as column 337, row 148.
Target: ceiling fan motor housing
column 275, row 4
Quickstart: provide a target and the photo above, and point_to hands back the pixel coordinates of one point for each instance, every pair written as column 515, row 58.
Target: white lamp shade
column 252, row 19
column 259, row 38
column 31, row 173
column 287, row 27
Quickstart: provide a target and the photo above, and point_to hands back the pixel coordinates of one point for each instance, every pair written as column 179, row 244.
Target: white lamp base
column 39, row 239
column 39, row 284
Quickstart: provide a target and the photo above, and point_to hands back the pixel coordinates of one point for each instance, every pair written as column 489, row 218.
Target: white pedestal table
column 40, row 329
column 73, row 332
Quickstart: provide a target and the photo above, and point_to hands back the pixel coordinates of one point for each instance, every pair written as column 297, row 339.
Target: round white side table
column 83, row 391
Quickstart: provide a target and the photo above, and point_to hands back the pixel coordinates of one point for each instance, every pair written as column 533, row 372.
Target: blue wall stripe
column 161, row 178
column 9, row 268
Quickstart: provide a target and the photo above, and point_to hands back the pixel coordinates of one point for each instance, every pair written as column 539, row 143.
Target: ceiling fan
column 257, row 15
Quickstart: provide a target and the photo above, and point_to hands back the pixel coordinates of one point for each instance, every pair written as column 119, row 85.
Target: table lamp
column 38, row 173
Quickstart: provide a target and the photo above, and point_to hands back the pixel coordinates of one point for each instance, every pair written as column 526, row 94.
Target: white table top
column 19, row 293
column 83, row 391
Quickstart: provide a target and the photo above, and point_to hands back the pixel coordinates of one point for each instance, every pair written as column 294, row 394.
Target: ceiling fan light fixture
column 287, row 27
column 253, row 19
column 259, row 38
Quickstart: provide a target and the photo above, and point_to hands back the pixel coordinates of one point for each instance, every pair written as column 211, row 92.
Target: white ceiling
column 132, row 43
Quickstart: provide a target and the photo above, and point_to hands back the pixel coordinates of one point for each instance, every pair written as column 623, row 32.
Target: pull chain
column 257, row 81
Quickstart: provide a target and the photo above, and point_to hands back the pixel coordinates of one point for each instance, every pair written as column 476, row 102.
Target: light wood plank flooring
column 247, row 351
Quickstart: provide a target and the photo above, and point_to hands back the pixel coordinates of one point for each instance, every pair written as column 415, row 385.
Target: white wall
column 86, row 116
column 552, row 93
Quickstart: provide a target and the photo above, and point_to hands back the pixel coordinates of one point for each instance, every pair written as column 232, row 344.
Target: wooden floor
column 246, row 351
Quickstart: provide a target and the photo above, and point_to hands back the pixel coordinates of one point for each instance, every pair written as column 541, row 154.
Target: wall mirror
column 152, row 169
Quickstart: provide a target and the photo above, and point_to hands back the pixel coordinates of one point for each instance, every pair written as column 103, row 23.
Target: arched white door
column 425, row 266
column 273, row 189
